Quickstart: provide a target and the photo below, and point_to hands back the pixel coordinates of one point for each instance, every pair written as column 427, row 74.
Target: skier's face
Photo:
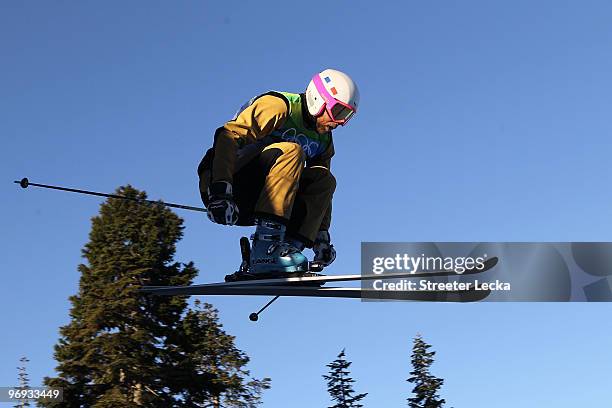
column 325, row 123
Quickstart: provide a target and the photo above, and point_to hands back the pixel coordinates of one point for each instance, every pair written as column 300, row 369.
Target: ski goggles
column 339, row 112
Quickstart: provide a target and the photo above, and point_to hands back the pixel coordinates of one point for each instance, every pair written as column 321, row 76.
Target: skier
column 270, row 167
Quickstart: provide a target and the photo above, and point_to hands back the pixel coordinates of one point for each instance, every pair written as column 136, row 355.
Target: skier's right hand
column 222, row 208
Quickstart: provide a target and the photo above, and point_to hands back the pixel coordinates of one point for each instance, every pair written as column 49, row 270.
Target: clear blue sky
column 479, row 121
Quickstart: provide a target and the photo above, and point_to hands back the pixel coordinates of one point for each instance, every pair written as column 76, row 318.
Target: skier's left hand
column 323, row 249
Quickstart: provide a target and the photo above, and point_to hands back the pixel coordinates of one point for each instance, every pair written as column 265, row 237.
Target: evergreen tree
column 24, row 381
column 426, row 386
column 121, row 348
column 213, row 351
column 340, row 384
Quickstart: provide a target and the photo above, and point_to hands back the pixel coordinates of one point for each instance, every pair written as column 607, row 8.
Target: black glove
column 323, row 249
column 222, row 208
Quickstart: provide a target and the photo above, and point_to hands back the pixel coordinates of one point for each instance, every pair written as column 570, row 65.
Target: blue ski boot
column 272, row 256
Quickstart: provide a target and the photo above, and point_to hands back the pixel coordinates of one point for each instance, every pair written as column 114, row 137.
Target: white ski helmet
column 335, row 92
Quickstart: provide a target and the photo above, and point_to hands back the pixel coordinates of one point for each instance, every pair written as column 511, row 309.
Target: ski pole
column 25, row 183
column 255, row 316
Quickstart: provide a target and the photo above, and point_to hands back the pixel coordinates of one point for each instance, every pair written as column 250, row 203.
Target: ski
column 323, row 279
column 306, row 291
column 312, row 286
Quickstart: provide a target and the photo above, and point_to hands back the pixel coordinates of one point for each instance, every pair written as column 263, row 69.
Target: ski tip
column 491, row 262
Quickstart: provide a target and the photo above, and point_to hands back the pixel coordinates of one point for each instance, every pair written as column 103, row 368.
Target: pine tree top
column 339, row 384
column 426, row 386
